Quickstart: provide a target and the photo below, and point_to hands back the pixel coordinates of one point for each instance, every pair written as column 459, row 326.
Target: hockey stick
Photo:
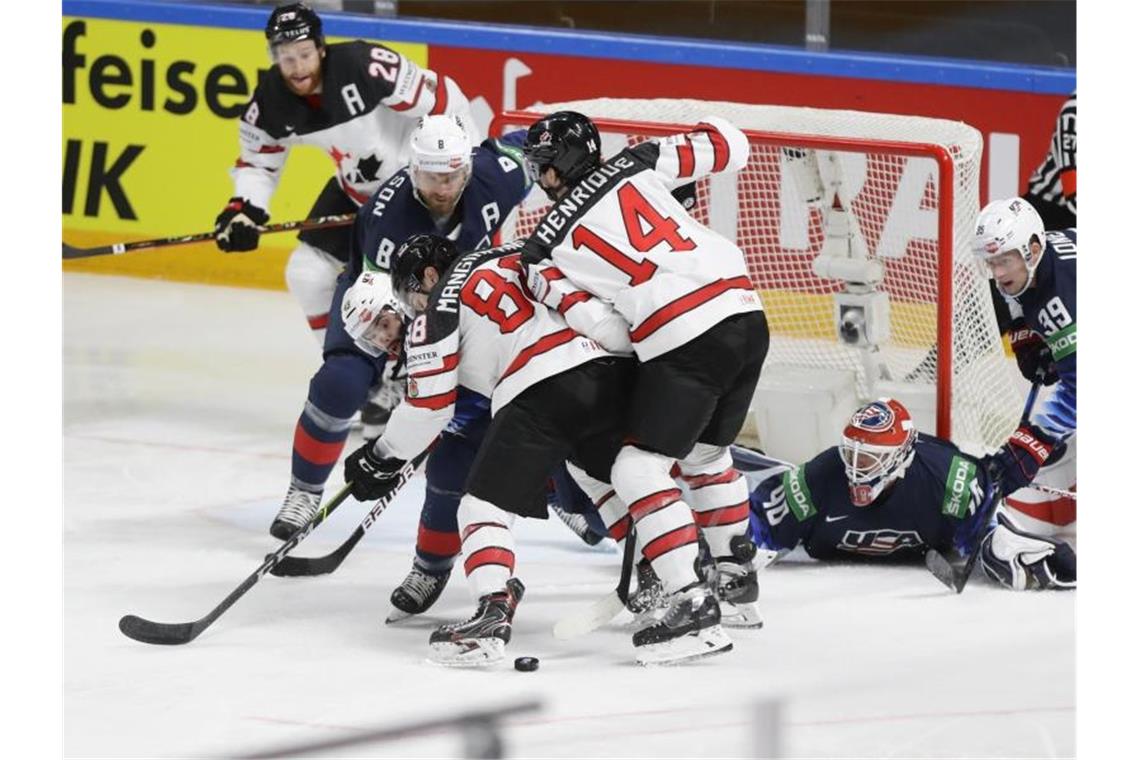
column 305, row 566
column 150, row 632
column 317, row 223
column 607, row 608
column 947, row 566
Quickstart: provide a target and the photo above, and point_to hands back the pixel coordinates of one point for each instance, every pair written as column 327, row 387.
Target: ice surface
column 179, row 407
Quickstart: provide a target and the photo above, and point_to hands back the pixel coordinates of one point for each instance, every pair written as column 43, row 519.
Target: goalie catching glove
column 236, row 228
column 1034, row 358
column 372, row 476
column 1020, row 560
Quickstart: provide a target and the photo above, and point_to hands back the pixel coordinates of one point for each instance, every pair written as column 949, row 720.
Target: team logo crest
column 365, row 316
column 545, row 138
column 876, row 417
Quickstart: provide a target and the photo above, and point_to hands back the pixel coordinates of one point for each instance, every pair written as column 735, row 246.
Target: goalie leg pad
column 1021, row 561
column 488, row 545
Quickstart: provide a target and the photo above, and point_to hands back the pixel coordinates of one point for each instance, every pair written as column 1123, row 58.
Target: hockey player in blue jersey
column 1036, row 272
column 889, row 492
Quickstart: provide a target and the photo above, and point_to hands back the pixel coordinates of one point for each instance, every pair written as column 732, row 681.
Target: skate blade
column 396, row 615
column 694, row 646
column 745, row 615
column 469, row 654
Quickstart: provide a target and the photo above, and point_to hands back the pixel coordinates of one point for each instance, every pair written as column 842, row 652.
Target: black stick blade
column 70, row 252
column 149, row 632
column 944, row 571
column 296, row 567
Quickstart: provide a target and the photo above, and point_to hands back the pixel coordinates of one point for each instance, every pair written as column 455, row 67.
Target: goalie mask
column 409, row 265
column 877, row 447
column 371, row 316
column 1006, row 226
column 565, row 141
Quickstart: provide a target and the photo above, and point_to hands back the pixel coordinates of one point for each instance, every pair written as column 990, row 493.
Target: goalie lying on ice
column 890, row 492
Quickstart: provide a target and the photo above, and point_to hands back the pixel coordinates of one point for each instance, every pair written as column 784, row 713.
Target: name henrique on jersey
column 1050, row 310
column 939, row 503
column 498, row 183
column 483, row 332
column 620, row 235
column 368, row 105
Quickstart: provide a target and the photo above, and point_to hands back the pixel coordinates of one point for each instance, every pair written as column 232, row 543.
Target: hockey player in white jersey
column 554, row 395
column 356, row 101
column 698, row 328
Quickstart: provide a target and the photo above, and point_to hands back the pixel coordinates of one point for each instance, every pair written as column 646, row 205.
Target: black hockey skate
column 737, row 587
column 417, row 593
column 690, row 629
column 482, row 640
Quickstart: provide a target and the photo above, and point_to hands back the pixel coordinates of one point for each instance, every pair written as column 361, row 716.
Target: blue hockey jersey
column 1050, row 310
column 940, row 503
column 498, row 183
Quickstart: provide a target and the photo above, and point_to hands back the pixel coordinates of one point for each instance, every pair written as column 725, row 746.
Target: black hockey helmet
column 292, row 23
column 409, row 262
column 567, row 141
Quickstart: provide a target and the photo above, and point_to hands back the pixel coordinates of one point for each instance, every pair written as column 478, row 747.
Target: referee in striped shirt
column 1053, row 187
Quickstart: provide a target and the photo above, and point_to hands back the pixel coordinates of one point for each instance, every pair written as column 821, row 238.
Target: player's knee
column 475, row 511
column 340, row 386
column 637, row 471
column 309, row 270
column 706, row 458
column 594, row 488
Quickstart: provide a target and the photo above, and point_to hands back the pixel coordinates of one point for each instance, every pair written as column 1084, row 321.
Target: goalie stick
column 948, row 567
column 151, row 632
column 316, row 223
column 306, row 566
column 604, row 610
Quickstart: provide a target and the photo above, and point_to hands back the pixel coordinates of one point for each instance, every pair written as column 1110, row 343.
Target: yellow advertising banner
column 149, row 134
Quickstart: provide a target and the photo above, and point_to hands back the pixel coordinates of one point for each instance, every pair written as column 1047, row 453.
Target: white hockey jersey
column 481, row 330
column 620, row 235
column 370, row 100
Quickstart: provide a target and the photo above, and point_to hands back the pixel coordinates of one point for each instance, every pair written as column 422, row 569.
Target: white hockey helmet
column 1011, row 224
column 440, row 144
column 877, row 447
column 362, row 310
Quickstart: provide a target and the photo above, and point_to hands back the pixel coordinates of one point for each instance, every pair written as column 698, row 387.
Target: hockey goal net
column 856, row 228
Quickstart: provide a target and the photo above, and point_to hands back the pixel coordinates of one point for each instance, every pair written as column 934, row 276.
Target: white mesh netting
column 779, row 220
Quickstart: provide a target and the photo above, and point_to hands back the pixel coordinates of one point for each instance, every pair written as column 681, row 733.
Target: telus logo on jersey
column 586, row 190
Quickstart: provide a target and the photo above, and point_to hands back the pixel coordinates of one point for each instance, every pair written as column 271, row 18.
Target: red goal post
column 877, row 183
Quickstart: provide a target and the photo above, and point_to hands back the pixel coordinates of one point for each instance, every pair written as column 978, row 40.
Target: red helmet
column 877, row 447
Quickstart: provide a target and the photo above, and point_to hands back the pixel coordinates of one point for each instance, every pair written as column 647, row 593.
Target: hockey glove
column 236, row 228
column 1034, row 358
column 1016, row 463
column 372, row 477
column 1020, row 560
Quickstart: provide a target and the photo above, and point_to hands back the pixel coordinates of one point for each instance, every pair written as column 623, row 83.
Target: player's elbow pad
column 738, row 149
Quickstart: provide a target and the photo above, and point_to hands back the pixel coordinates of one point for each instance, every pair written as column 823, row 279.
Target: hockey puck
column 526, row 664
